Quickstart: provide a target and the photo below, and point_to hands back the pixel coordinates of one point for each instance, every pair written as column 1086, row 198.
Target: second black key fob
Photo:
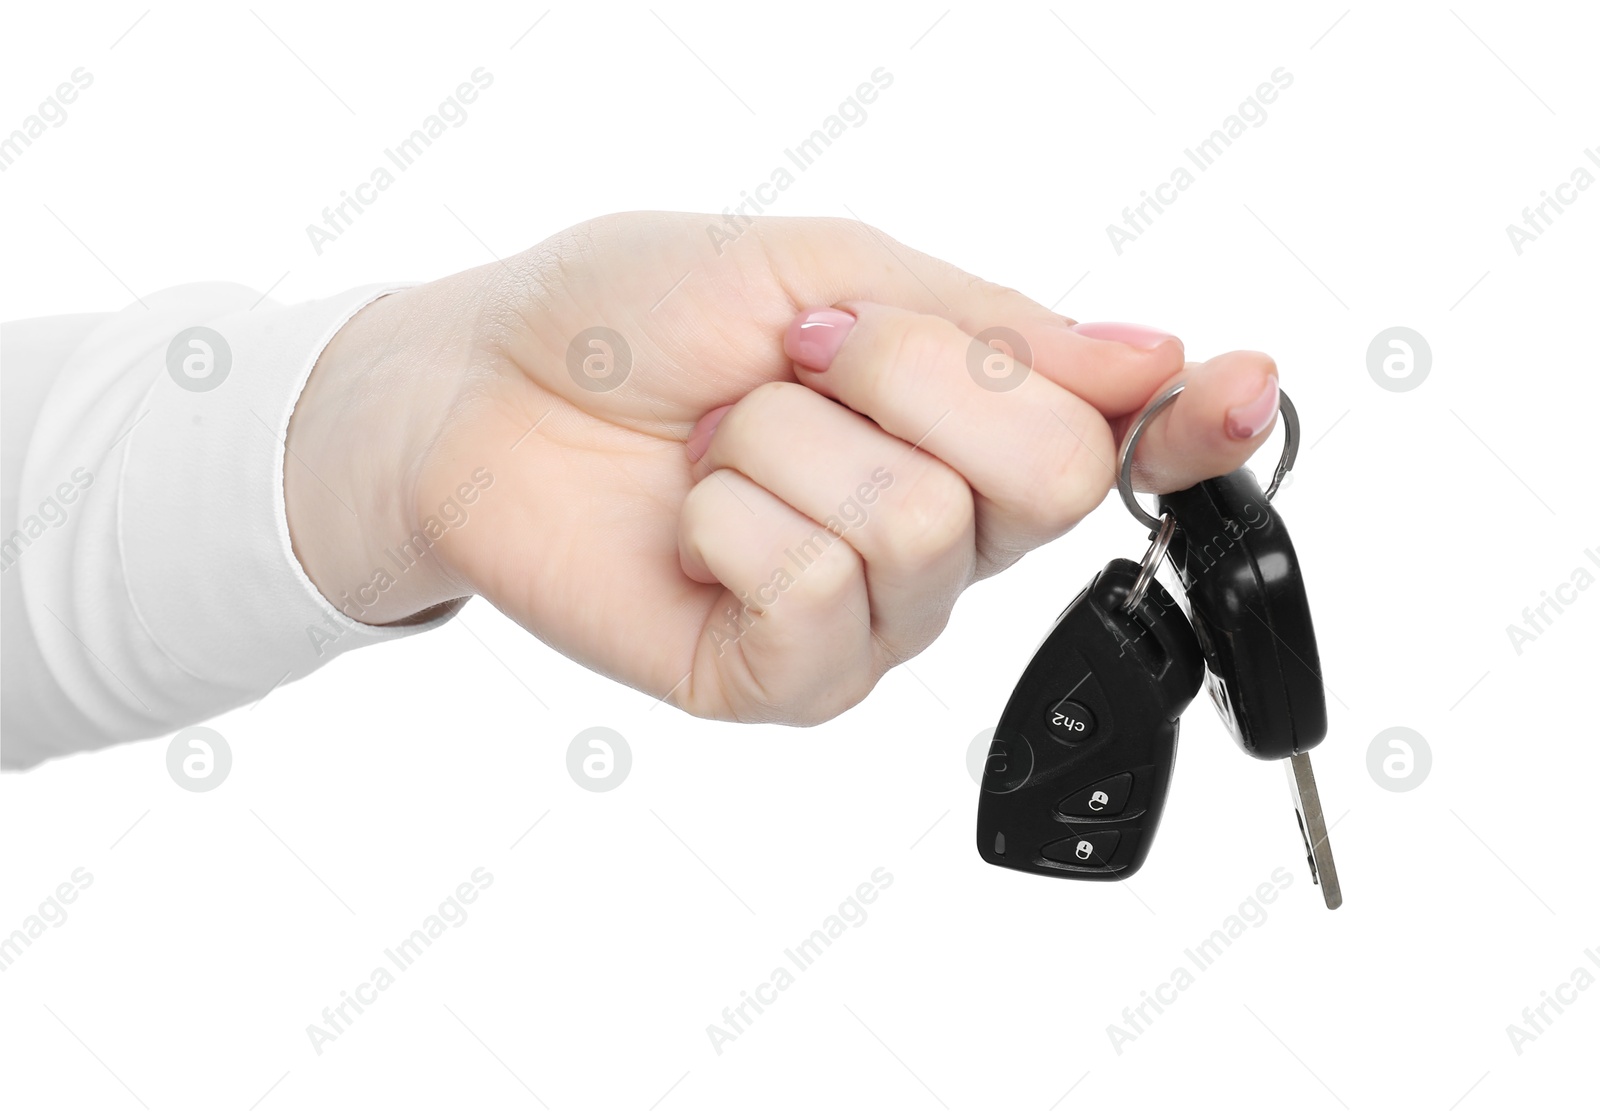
column 1078, row 768
column 1247, row 602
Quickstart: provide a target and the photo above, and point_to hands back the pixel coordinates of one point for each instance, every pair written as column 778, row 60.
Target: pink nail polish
column 1145, row 338
column 700, row 437
column 815, row 337
column 1248, row 420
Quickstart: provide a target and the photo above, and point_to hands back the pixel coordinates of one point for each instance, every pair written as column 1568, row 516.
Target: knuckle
column 926, row 342
column 916, row 346
column 928, row 519
column 1072, row 481
column 769, row 398
column 703, row 501
column 869, row 236
column 998, row 297
column 831, row 575
column 741, row 429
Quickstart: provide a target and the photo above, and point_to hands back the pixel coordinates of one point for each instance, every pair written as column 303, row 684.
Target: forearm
column 168, row 591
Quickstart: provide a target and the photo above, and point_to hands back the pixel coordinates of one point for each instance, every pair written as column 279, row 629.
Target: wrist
column 358, row 438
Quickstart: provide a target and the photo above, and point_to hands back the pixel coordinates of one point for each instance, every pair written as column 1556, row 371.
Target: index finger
column 824, row 262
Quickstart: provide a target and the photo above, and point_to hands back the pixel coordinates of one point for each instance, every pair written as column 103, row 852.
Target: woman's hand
column 748, row 477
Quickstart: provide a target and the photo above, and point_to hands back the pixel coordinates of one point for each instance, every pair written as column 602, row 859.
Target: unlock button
column 1105, row 798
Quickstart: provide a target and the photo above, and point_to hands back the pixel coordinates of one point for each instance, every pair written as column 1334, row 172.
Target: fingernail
column 700, row 436
column 1248, row 420
column 1145, row 338
column 815, row 337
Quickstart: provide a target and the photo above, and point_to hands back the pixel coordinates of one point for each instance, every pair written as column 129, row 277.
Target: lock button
column 1093, row 849
column 1105, row 798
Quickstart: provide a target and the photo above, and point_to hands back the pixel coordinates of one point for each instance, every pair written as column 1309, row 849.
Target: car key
column 1247, row 604
column 1079, row 765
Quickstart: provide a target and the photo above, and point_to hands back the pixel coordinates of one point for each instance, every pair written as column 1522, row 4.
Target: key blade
column 1313, row 828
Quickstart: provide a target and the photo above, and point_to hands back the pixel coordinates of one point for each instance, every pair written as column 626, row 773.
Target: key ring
column 1164, row 527
column 1157, row 552
column 1291, row 448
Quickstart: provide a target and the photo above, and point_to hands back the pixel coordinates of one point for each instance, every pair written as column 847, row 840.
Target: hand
column 771, row 494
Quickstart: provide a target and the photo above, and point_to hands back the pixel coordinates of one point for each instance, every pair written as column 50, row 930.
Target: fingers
column 822, row 262
column 908, row 515
column 1226, row 411
column 1037, row 458
column 788, row 641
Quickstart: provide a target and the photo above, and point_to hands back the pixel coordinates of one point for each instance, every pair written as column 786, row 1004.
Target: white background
column 1377, row 193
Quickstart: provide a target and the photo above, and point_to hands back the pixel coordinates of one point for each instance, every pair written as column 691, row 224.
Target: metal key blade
column 1313, row 828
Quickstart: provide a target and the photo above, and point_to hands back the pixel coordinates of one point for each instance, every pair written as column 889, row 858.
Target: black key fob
column 1248, row 606
column 1078, row 769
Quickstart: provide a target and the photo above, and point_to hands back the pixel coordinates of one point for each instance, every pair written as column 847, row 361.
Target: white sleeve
column 149, row 580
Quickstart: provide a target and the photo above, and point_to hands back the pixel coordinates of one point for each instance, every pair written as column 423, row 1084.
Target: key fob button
column 1093, row 849
column 1104, row 798
column 1070, row 722
column 1009, row 765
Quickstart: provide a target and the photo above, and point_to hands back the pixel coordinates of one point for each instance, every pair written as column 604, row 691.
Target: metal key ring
column 1291, row 448
column 1157, row 552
